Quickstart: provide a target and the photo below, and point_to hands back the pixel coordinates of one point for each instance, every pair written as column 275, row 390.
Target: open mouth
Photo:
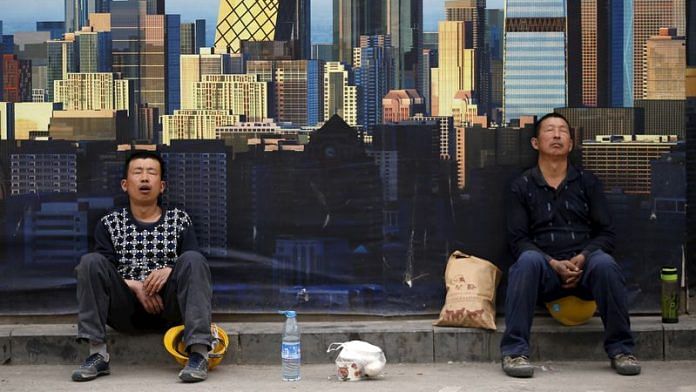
column 144, row 188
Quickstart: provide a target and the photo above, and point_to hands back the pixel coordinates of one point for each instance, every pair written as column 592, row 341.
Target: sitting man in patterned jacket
column 145, row 274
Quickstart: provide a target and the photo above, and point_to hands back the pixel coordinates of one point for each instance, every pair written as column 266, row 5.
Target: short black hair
column 537, row 125
column 145, row 154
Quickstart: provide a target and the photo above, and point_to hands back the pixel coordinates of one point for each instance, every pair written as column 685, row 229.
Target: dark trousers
column 531, row 278
column 104, row 298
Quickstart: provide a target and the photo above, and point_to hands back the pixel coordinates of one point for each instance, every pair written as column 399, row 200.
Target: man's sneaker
column 196, row 369
column 517, row 366
column 626, row 364
column 93, row 367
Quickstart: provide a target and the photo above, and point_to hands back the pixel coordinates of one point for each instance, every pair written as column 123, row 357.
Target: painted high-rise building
column 32, row 47
column 402, row 20
column 77, row 12
column 340, row 97
column 193, row 66
column 648, row 17
column 197, row 182
column 588, row 53
column 355, row 18
column 56, row 233
column 192, row 37
column 173, row 42
column 297, row 89
column 373, row 67
column 34, row 166
column 54, row 28
column 62, row 59
column 632, row 23
column 665, row 66
column 428, row 58
column 400, row 105
column 16, row 78
column 621, row 53
column 195, row 124
column 93, row 49
column 534, row 75
column 492, row 81
column 456, row 66
column 623, row 162
column 93, row 91
column 264, row 20
column 473, row 13
column 298, row 85
column 139, row 53
column 242, row 94
column 404, row 23
column 494, row 32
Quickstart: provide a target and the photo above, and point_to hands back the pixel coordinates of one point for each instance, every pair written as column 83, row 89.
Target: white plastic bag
column 358, row 360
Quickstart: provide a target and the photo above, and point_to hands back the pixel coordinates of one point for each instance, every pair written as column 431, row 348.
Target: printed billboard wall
column 336, row 221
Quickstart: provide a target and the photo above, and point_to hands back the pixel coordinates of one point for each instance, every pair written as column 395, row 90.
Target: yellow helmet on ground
column 571, row 310
column 174, row 343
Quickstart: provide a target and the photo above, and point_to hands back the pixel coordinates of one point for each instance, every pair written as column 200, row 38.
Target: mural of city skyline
column 338, row 177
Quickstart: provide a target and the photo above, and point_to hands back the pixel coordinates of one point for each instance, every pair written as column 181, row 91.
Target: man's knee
column 91, row 263
column 603, row 265
column 529, row 260
column 193, row 257
column 193, row 260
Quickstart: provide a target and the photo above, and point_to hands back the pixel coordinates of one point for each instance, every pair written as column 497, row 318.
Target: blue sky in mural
column 23, row 18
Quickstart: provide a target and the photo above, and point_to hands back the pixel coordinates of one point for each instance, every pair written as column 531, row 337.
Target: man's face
column 553, row 138
column 144, row 182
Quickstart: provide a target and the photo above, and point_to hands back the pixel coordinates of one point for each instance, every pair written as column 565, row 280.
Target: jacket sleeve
column 103, row 243
column 187, row 239
column 518, row 223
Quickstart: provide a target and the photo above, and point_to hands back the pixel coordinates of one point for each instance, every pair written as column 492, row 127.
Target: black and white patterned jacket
column 138, row 248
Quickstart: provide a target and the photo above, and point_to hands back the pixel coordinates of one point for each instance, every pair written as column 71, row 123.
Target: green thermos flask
column 670, row 295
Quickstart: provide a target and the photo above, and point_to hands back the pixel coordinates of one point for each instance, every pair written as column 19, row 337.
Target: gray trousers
column 104, row 298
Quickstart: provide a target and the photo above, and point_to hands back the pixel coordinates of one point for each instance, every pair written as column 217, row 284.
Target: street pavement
column 673, row 376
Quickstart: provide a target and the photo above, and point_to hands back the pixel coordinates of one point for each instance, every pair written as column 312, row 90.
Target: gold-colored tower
column 239, row 20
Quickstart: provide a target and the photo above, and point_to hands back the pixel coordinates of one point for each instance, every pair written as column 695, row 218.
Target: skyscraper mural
column 339, row 179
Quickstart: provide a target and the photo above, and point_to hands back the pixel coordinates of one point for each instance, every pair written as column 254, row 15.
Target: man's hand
column 578, row 260
column 156, row 280
column 152, row 303
column 567, row 271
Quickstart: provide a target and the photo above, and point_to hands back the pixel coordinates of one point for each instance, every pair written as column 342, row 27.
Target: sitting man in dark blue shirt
column 145, row 274
column 561, row 235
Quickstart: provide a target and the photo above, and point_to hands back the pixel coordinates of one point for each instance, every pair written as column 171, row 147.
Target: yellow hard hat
column 571, row 310
column 174, row 343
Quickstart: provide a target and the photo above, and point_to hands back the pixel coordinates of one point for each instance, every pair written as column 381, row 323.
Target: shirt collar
column 571, row 175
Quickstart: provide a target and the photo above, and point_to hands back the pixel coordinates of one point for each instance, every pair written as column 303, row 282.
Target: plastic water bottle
column 290, row 352
column 670, row 295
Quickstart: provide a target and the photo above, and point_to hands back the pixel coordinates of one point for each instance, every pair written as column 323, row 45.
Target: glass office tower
column 534, row 81
column 77, row 12
column 139, row 53
column 355, row 18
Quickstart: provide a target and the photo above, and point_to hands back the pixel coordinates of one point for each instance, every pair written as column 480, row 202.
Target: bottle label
column 290, row 350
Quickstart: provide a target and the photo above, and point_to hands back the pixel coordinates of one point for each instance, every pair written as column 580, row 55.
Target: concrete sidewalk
column 403, row 341
column 586, row 376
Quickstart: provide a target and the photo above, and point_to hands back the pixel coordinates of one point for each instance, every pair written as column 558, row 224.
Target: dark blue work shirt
column 562, row 222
